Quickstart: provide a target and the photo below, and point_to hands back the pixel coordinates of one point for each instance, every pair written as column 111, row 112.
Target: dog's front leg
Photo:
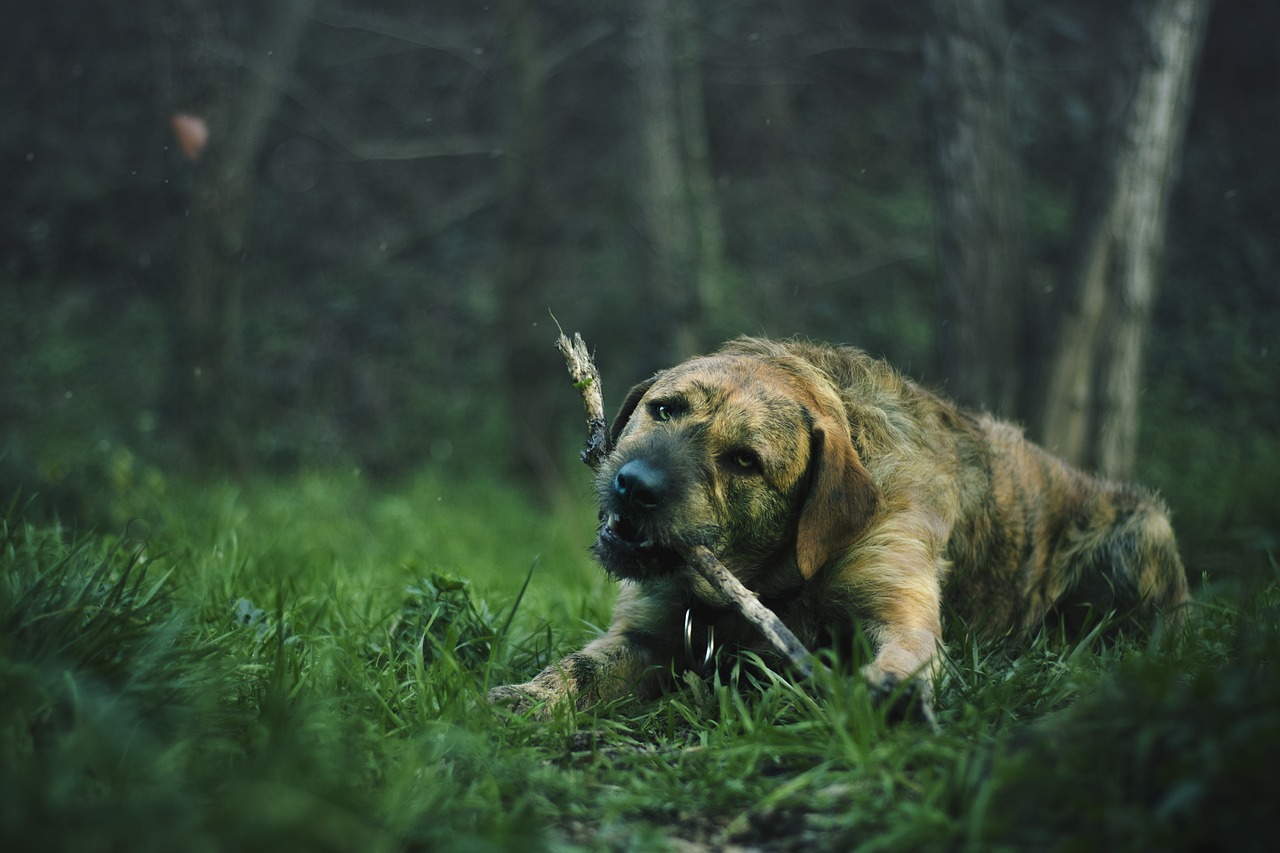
column 905, row 656
column 895, row 584
column 628, row 659
column 608, row 668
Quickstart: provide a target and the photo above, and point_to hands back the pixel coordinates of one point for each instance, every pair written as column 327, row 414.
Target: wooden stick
column 586, row 378
column 723, row 581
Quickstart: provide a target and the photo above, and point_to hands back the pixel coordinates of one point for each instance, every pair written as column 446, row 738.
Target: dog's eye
column 664, row 411
column 745, row 460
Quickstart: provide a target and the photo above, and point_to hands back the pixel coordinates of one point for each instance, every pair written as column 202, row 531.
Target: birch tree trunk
column 977, row 187
column 1091, row 414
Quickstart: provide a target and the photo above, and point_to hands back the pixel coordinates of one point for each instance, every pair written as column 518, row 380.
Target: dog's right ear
column 634, row 396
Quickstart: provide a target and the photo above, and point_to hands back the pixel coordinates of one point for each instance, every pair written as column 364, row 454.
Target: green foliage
column 264, row 675
column 1178, row 757
column 75, row 401
column 1221, row 490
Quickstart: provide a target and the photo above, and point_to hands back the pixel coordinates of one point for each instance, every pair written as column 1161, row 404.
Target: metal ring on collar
column 709, row 648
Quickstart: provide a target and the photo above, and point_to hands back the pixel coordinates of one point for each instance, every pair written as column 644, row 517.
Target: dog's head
column 747, row 455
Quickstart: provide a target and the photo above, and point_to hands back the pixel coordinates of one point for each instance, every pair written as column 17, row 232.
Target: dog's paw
column 516, row 698
column 531, row 700
column 900, row 699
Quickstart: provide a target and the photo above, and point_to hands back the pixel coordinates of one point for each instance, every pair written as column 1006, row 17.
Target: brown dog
column 844, row 495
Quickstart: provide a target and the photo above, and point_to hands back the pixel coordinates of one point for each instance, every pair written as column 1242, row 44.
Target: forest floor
column 301, row 664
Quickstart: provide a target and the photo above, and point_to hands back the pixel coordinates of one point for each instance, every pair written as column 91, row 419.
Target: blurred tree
column 1091, row 409
column 674, row 190
column 986, row 333
column 1086, row 354
column 236, row 91
column 527, row 230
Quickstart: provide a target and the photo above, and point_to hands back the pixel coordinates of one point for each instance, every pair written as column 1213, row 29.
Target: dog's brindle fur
column 844, row 494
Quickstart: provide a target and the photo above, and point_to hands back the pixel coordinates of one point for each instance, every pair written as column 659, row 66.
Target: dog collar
column 700, row 664
column 700, row 618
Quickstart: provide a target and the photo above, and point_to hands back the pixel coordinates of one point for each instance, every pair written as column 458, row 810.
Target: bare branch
column 586, row 378
column 406, row 32
column 559, row 54
column 702, row 561
column 345, row 135
column 342, row 132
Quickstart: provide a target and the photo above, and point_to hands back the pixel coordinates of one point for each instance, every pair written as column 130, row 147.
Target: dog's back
column 1045, row 541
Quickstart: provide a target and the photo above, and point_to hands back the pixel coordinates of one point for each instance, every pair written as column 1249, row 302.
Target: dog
column 848, row 498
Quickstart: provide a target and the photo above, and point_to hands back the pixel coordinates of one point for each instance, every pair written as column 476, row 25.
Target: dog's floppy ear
column 841, row 501
column 628, row 407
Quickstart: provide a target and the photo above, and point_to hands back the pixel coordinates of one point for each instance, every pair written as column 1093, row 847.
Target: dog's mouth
column 626, row 532
column 628, row 549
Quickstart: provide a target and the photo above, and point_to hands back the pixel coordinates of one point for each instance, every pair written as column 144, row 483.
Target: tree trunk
column 977, row 188
column 703, row 205
column 674, row 190
column 239, row 104
column 527, row 231
column 1091, row 414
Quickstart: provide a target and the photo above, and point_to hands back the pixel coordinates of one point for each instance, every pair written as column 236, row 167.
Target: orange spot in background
column 191, row 132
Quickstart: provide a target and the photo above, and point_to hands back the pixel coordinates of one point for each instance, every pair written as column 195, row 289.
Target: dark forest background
column 361, row 267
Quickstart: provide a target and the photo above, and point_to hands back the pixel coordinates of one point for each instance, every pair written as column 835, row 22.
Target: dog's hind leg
column 1119, row 555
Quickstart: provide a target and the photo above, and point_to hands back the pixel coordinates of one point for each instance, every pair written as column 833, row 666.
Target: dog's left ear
column 634, row 396
column 841, row 502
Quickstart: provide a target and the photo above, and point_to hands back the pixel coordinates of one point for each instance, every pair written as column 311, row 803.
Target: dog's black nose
column 640, row 485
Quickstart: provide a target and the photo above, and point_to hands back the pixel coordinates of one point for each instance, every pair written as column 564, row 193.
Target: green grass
column 301, row 664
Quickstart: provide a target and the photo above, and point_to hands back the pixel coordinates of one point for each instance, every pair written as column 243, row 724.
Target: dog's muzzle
column 639, row 491
column 635, row 510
